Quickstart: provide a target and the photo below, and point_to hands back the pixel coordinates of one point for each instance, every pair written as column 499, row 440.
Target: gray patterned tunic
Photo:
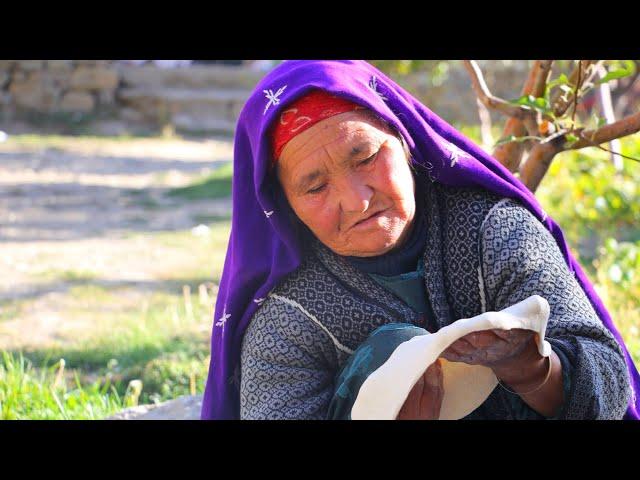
column 483, row 253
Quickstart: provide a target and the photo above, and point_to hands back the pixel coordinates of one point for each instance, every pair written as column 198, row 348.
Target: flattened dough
column 466, row 387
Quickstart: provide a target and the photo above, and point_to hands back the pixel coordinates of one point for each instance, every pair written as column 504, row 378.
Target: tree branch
column 510, row 154
column 537, row 164
column 626, row 126
column 540, row 73
column 560, row 105
column 487, row 98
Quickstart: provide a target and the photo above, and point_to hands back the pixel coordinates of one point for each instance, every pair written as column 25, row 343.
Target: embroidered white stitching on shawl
column 373, row 85
column 295, row 304
column 455, row 153
column 273, row 98
column 225, row 316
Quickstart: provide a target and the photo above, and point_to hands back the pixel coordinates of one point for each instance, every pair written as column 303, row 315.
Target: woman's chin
column 373, row 246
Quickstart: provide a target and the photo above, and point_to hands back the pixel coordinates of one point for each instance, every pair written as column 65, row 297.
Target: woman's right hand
column 425, row 398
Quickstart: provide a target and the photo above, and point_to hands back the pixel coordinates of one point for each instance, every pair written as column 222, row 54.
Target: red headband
column 304, row 113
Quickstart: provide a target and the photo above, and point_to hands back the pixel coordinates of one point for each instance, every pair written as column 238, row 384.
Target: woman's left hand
column 506, row 352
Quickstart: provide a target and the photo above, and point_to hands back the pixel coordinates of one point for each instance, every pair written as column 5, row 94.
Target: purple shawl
column 263, row 247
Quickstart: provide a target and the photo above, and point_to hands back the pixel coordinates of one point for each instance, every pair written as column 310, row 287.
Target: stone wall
column 121, row 98
column 202, row 98
column 48, row 86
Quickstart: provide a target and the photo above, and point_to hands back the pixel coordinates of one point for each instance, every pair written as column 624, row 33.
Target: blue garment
column 367, row 358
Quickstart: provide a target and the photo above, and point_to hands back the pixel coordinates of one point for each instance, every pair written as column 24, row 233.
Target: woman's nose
column 355, row 196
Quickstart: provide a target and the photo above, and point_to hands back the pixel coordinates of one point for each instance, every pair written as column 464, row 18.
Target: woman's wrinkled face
column 348, row 179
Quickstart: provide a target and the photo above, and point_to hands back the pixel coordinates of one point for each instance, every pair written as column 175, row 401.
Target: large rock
column 182, row 408
column 87, row 78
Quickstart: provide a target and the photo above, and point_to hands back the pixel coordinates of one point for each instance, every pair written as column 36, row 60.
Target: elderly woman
column 355, row 207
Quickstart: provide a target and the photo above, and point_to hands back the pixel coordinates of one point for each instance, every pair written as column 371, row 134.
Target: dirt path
column 80, row 209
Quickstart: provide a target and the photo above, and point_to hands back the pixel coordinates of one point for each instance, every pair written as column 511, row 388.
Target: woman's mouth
column 367, row 222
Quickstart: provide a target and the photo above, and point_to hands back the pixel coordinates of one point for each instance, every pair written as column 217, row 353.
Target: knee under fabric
column 367, row 358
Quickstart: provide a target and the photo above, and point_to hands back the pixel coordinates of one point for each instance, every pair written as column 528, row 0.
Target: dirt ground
column 76, row 210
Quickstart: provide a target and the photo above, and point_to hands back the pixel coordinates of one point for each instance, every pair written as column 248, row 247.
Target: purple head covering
column 263, row 246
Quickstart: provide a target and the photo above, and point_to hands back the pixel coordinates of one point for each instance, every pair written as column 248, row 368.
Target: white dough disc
column 466, row 387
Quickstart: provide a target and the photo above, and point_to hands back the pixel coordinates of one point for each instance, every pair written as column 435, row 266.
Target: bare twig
column 490, row 100
column 561, row 104
column 575, row 94
column 485, row 125
column 616, row 153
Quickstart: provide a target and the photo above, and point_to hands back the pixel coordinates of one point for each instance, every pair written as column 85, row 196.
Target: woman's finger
column 484, row 339
column 411, row 407
column 463, row 347
column 432, row 393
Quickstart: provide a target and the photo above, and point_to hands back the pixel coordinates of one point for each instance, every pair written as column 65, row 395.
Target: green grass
column 157, row 335
column 160, row 343
column 213, row 185
column 45, row 393
column 72, row 276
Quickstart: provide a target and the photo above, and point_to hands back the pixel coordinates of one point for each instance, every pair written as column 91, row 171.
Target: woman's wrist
column 528, row 377
column 526, row 371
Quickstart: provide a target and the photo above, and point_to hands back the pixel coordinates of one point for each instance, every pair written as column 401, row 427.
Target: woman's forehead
column 336, row 138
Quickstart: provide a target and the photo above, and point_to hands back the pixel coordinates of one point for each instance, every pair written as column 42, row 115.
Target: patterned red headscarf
column 304, row 113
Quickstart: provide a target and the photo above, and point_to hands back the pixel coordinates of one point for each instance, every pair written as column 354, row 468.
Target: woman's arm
column 286, row 371
column 520, row 258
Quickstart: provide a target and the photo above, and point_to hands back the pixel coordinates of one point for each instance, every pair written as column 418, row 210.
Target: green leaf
column 561, row 82
column 626, row 68
column 570, row 138
column 537, row 103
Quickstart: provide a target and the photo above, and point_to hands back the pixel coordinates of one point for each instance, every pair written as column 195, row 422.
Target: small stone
column 34, row 95
column 7, row 64
column 57, row 65
column 131, row 115
column 107, row 97
column 92, row 63
column 94, row 79
column 4, row 79
column 31, row 65
column 76, row 102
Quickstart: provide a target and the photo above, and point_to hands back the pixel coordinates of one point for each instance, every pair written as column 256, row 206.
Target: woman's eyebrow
column 307, row 179
column 354, row 152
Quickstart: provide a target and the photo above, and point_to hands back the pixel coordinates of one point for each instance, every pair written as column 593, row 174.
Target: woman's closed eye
column 367, row 161
column 317, row 189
